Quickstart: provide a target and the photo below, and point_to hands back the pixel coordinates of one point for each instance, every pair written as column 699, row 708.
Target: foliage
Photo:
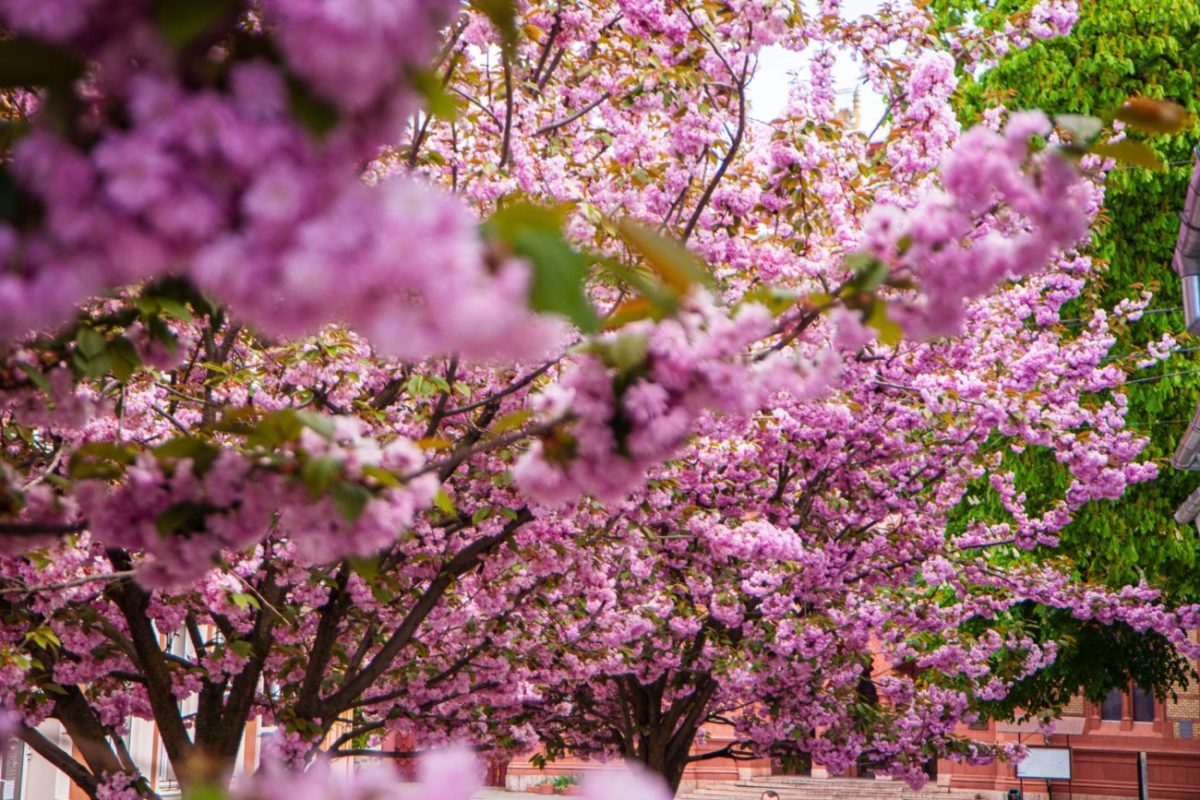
column 1115, row 52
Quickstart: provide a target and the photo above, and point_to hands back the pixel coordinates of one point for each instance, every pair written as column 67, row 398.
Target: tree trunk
column 656, row 755
column 661, row 737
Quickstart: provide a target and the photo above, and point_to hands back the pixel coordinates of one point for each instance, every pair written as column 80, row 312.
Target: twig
column 510, row 389
column 17, row 529
column 506, row 143
column 562, row 123
column 53, row 465
column 463, row 453
column 46, row 587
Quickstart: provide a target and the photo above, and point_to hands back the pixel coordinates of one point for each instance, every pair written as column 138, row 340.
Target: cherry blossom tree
column 409, row 366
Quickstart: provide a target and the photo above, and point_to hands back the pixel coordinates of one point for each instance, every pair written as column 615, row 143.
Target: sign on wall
column 1046, row 763
column 12, row 765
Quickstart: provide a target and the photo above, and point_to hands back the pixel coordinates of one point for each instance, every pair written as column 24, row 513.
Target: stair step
column 798, row 787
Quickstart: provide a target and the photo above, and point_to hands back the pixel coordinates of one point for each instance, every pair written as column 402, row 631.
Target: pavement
column 503, row 794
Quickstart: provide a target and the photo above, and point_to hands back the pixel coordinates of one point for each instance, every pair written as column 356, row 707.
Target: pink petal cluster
column 624, row 422
column 224, row 184
column 234, row 502
column 938, row 242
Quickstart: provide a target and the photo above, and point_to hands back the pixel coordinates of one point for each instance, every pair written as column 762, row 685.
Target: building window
column 1141, row 701
column 1110, row 709
column 1143, row 705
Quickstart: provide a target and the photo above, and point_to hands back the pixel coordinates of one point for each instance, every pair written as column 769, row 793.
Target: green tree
column 1117, row 50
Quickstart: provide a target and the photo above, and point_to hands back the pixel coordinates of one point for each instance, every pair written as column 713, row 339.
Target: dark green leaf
column 182, row 21
column 202, row 452
column 186, row 516
column 316, row 114
column 366, row 567
column 124, row 358
column 350, row 499
column 91, row 367
column 29, row 62
column 241, row 647
column 869, row 271
column 439, row 102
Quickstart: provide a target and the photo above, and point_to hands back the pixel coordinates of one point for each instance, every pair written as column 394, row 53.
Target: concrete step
column 796, row 787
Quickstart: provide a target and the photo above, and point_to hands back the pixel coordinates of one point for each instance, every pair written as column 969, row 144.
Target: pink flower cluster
column 451, row 774
column 1034, row 212
column 252, row 192
column 182, row 514
column 627, row 415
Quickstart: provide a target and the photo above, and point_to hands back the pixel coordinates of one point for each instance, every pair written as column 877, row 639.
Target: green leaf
column 175, row 309
column 186, row 516
column 669, row 258
column 99, row 460
column 420, row 386
column 124, row 358
column 241, row 647
column 386, row 479
column 202, row 452
column 559, row 271
column 869, row 271
column 36, row 377
column 90, row 342
column 90, row 367
column 367, row 567
column 445, row 503
column 44, row 637
column 510, row 422
column 204, row 792
column 31, row 62
column 316, row 114
column 316, row 422
column 350, row 499
column 503, row 14
column 626, row 352
column 274, row 429
column 1129, row 152
column 318, row 474
column 774, row 300
column 438, row 101
column 182, row 21
column 889, row 332
column 244, row 600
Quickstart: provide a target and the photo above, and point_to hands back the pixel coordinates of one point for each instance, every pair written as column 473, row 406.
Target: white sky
column 768, row 91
